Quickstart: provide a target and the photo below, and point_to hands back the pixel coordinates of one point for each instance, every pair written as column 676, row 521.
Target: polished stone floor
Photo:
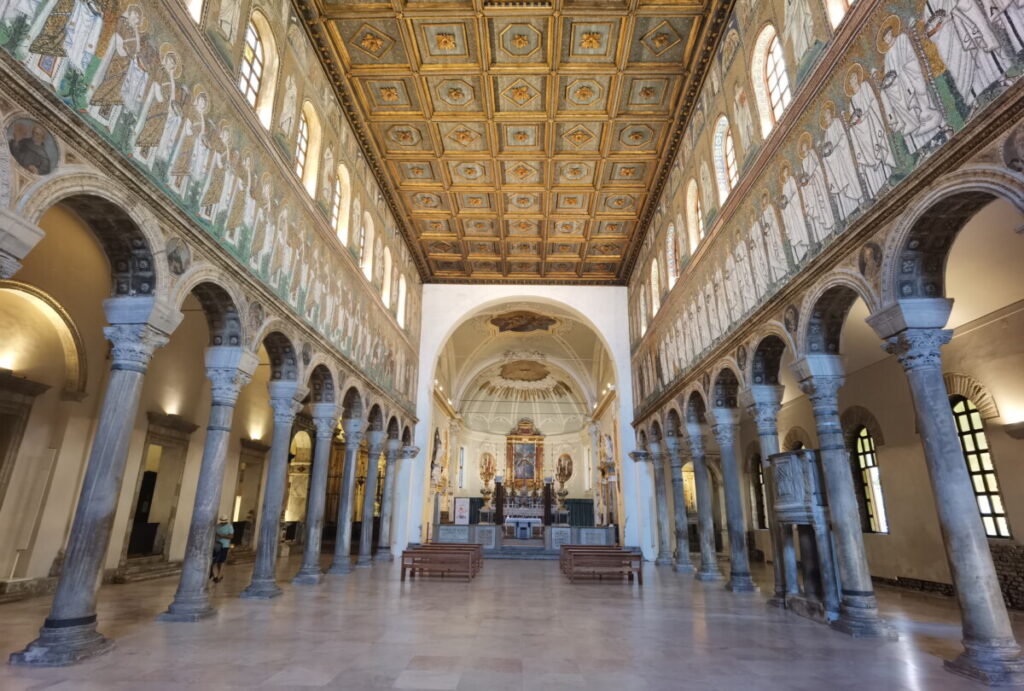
column 518, row 625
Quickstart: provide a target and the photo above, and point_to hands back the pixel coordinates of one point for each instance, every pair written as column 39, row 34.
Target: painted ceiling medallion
column 584, row 92
column 579, row 136
column 661, row 39
column 445, row 42
column 406, row 136
column 519, row 93
column 523, row 321
column 455, row 92
column 372, row 42
column 463, row 136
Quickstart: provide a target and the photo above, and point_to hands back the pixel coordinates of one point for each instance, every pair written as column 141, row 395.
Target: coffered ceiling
column 522, row 140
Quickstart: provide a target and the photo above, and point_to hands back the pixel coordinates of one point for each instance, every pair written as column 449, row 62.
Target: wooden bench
column 601, row 563
column 442, row 562
column 568, row 550
column 476, row 550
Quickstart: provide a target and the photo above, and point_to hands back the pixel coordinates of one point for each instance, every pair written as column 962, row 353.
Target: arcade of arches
column 301, row 284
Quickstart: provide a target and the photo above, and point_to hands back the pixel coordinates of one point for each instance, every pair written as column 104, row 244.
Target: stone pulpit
column 801, row 509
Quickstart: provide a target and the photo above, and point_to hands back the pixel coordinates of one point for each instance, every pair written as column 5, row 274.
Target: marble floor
column 518, row 625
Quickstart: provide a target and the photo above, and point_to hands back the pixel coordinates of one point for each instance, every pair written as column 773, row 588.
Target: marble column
column 821, row 378
column 285, row 397
column 374, row 445
column 69, row 633
column 682, row 563
column 342, row 564
column 325, row 417
column 991, row 653
column 657, row 457
column 229, row 369
column 705, row 500
column 639, row 457
column 763, row 404
column 391, row 453
column 724, row 429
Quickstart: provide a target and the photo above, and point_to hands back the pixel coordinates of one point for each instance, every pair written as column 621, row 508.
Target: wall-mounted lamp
column 1015, row 429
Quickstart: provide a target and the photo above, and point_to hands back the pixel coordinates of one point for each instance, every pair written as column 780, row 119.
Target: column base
column 777, row 600
column 708, row 575
column 261, row 590
column 340, row 568
column 663, row 560
column 63, row 645
column 741, row 583
column 189, row 611
column 862, row 627
column 311, row 577
column 989, row 667
column 683, row 567
column 384, row 555
column 364, row 561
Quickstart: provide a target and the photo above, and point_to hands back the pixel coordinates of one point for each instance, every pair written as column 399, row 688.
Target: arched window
column 759, row 497
column 725, row 159
column 771, row 81
column 979, row 464
column 402, row 297
column 837, row 9
column 694, row 216
column 366, row 246
column 385, row 289
column 655, row 287
column 195, row 9
column 257, row 75
column 672, row 254
column 866, row 460
column 643, row 310
column 340, row 204
column 307, row 148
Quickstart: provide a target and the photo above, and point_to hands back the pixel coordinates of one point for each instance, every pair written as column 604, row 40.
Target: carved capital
column 9, row 265
column 285, row 409
column 823, row 392
column 133, row 345
column 725, row 433
column 410, row 451
column 227, row 383
column 353, row 438
column 695, row 433
column 766, row 416
column 918, row 348
column 325, row 427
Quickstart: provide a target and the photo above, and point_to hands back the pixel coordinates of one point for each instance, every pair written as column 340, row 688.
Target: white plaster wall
column 605, row 308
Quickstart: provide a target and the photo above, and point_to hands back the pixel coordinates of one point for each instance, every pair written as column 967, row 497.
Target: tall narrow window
column 837, row 9
column 655, row 287
column 979, row 464
column 776, row 79
column 302, row 146
column 336, row 207
column 871, row 483
column 366, row 246
column 385, row 289
column 758, row 491
column 770, row 79
column 672, row 254
column 402, row 298
column 725, row 158
column 340, row 205
column 694, row 216
column 643, row 310
column 250, row 75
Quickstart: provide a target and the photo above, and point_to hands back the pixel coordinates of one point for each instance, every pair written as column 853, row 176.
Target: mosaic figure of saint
column 867, row 131
column 837, row 159
column 965, row 39
column 904, row 88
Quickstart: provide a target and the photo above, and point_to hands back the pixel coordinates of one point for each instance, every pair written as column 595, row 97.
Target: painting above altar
column 525, row 462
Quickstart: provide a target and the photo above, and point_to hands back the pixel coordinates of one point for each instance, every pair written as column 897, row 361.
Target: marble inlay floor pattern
column 518, row 625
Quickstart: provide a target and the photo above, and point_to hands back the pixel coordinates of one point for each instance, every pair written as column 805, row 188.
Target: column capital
column 640, row 456
column 763, row 402
column 9, row 265
column 375, row 439
column 392, row 448
column 325, row 417
column 695, row 433
column 725, row 424
column 410, row 452
column 229, row 369
column 673, row 449
column 133, row 345
column 911, row 313
column 286, row 399
column 822, row 390
column 17, row 238
column 918, row 348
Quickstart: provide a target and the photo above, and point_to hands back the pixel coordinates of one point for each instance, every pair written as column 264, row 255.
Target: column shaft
column 858, row 609
column 991, row 653
column 681, row 557
column 343, row 540
column 386, row 504
column 373, row 449
column 664, row 557
column 69, row 633
column 264, row 577
column 724, row 430
column 705, row 500
column 309, row 573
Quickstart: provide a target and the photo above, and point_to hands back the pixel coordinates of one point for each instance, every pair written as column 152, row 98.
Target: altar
column 522, row 528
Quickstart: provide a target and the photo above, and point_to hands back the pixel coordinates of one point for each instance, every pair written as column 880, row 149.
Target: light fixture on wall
column 1015, row 429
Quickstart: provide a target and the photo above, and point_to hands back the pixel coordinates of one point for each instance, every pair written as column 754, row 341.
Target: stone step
column 136, row 573
column 512, row 552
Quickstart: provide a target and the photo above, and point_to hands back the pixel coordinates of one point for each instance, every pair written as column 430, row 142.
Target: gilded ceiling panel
column 521, row 143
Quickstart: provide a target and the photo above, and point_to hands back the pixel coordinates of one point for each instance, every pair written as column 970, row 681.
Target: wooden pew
column 598, row 563
column 443, row 562
column 568, row 550
column 475, row 549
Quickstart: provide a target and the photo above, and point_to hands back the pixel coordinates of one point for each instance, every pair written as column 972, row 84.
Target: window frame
column 865, row 459
column 252, row 68
column 970, row 418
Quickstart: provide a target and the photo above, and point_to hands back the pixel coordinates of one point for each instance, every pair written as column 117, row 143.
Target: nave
column 518, row 625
